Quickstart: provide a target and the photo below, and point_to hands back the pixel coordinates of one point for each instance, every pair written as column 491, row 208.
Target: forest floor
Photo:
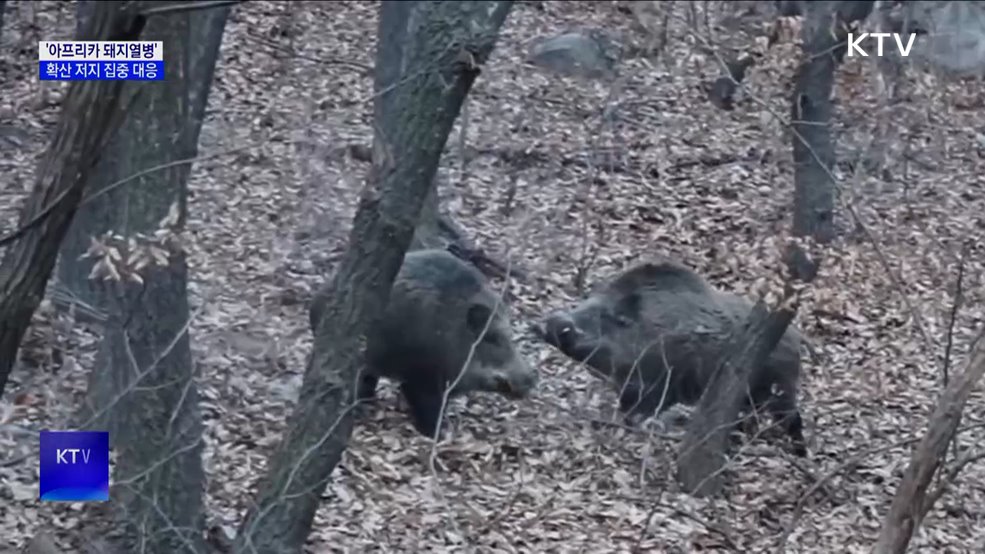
column 549, row 185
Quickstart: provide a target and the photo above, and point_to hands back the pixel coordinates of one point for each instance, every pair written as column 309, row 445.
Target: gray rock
column 589, row 54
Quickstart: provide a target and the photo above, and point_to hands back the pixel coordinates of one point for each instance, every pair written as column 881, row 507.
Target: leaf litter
column 558, row 191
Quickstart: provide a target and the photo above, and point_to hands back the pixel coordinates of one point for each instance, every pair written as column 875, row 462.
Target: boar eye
column 618, row 319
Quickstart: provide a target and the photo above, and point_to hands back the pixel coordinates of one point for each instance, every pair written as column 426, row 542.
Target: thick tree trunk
column 428, row 233
column 702, row 454
column 144, row 376
column 3, row 5
column 83, row 11
column 911, row 502
column 142, row 389
column 440, row 46
column 90, row 113
column 104, row 212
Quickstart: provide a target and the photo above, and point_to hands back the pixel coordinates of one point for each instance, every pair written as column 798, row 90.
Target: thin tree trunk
column 702, row 453
column 813, row 147
column 90, row 114
column 440, row 47
column 911, row 501
column 142, row 388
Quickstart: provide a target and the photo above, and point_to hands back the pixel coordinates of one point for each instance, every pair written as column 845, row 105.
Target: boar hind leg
column 637, row 406
column 630, row 401
column 425, row 406
column 784, row 411
column 367, row 385
column 638, row 402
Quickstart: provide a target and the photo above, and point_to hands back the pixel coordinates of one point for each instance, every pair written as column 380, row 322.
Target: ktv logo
column 74, row 466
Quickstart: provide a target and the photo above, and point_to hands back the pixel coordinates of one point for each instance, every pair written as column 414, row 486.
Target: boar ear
column 478, row 317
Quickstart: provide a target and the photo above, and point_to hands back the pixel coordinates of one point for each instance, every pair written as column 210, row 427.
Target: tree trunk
column 911, row 501
column 103, row 213
column 90, row 114
column 3, row 5
column 434, row 229
column 412, row 122
column 142, row 389
column 144, row 376
column 83, row 11
column 428, row 232
column 702, row 453
column 813, row 148
column 891, row 69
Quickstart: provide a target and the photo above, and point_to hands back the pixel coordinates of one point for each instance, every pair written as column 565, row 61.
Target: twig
column 950, row 331
column 686, row 515
column 954, row 312
column 46, row 211
column 950, row 476
column 290, row 51
column 850, row 462
column 827, row 476
column 507, row 510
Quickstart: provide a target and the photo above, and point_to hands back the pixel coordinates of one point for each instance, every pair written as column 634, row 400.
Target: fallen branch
column 911, row 501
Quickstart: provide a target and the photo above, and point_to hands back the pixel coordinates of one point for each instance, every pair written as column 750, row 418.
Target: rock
column 588, row 54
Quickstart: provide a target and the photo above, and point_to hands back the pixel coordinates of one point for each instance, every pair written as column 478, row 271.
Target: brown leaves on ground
column 552, row 185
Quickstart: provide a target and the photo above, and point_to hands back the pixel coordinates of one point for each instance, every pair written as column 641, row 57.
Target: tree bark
column 911, row 499
column 83, row 11
column 142, row 388
column 440, row 46
column 702, row 454
column 92, row 110
column 110, row 210
column 434, row 228
column 813, row 147
column 144, row 376
column 3, row 5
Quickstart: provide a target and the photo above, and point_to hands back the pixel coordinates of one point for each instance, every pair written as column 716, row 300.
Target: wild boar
column 656, row 332
column 441, row 318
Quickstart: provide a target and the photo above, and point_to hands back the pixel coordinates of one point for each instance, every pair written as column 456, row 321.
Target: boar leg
column 638, row 404
column 791, row 422
column 783, row 409
column 367, row 385
column 425, row 405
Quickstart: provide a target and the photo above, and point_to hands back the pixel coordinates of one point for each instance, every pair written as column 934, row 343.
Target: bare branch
column 911, row 500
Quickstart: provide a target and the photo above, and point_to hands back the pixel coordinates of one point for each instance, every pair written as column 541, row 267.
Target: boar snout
column 560, row 331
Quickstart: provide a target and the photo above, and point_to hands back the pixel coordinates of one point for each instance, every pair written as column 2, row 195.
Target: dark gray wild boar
column 439, row 307
column 656, row 331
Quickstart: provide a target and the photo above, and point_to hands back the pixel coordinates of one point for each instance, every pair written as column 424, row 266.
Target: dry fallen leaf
column 665, row 173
